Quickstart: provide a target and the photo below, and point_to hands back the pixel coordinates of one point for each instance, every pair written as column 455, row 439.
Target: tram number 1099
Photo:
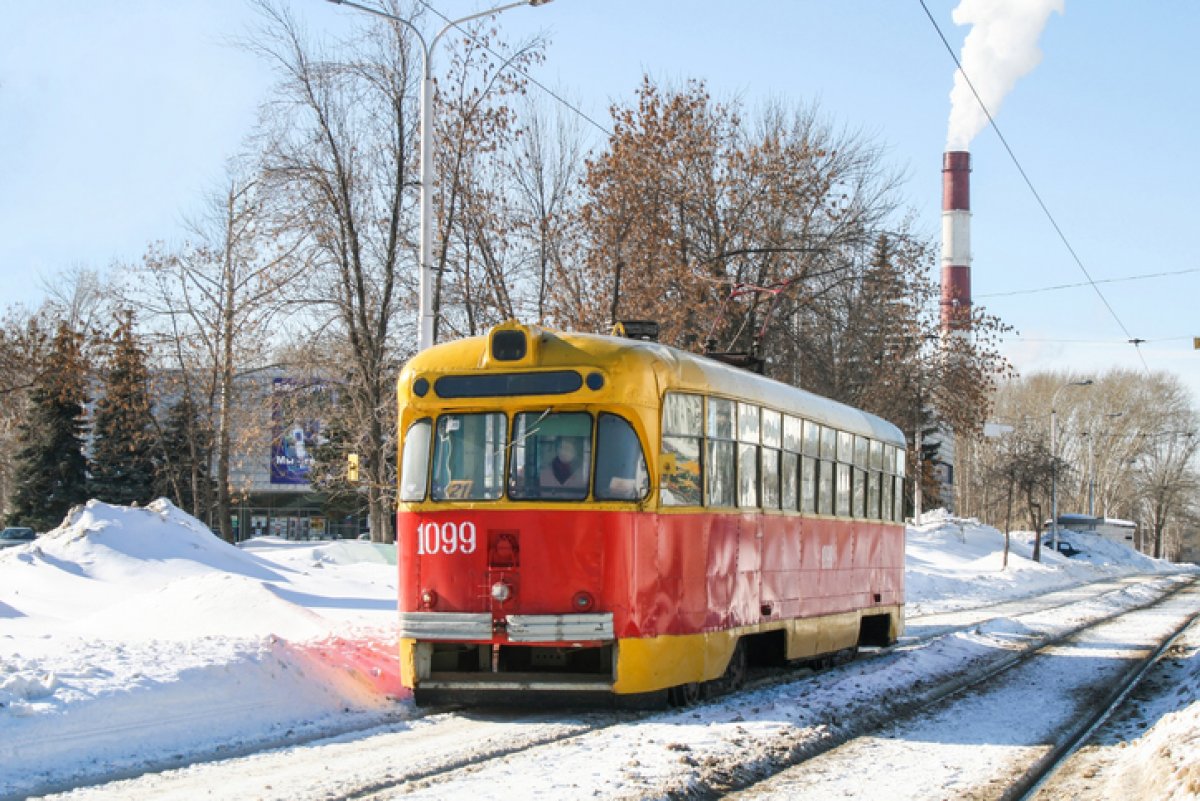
column 446, row 538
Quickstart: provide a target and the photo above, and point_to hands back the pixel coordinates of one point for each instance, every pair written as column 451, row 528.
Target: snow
column 134, row 638
column 128, row 635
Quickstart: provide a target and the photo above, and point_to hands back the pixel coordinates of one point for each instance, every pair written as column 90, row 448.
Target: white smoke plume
column 1000, row 49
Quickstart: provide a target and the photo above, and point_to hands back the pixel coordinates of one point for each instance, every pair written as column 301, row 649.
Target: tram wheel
column 685, row 694
column 735, row 673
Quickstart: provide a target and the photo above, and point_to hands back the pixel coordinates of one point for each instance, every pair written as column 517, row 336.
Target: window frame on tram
column 785, row 461
column 420, row 436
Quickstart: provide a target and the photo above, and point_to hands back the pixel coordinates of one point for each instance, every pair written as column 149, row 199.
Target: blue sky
column 117, row 117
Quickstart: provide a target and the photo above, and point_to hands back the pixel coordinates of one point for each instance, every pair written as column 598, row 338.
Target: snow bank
column 955, row 563
column 131, row 634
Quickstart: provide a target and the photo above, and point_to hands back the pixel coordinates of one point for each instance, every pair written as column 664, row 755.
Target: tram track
column 1047, row 770
column 910, row 723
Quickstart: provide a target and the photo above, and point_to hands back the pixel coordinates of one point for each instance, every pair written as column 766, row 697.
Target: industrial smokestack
column 956, row 241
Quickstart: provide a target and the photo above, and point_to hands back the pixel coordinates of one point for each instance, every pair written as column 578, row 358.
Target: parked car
column 16, row 535
column 1065, row 548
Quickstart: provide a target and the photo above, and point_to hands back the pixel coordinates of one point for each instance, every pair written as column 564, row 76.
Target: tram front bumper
column 474, row 658
column 475, row 626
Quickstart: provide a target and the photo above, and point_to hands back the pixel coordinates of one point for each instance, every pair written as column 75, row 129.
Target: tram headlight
column 582, row 601
column 501, row 592
column 429, row 599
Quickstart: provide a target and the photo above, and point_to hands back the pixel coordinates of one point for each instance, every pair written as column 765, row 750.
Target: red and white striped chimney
column 956, row 241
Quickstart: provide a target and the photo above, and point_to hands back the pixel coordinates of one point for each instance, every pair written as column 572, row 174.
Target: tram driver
column 566, row 470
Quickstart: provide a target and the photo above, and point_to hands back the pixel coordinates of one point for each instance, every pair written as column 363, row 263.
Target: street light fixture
column 1087, row 382
column 425, row 230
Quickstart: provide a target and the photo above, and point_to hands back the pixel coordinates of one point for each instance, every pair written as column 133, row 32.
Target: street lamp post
column 425, row 229
column 1087, row 382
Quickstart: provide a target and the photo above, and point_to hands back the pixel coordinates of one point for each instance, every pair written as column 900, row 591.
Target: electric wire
column 1102, row 341
column 1056, row 287
column 1036, row 195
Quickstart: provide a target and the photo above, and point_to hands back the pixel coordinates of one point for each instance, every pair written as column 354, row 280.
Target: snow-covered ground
column 133, row 637
column 129, row 635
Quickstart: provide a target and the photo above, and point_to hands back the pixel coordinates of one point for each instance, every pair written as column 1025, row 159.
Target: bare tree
column 337, row 150
column 338, row 145
column 546, row 171
column 479, row 262
column 82, row 298
column 1125, row 438
column 1025, row 470
column 215, row 303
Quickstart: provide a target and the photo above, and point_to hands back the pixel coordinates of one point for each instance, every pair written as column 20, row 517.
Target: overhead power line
column 1103, row 341
column 1057, row 287
column 1029, row 183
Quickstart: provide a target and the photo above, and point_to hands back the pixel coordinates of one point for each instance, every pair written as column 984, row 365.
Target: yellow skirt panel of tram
column 655, row 663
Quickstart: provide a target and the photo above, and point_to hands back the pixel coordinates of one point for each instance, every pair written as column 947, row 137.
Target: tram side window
column 808, row 484
column 679, row 474
column 551, row 456
column 825, row 487
column 621, row 473
column 873, row 495
column 747, row 454
column 828, row 443
column 719, row 471
column 772, row 439
column 790, row 480
column 793, row 443
column 468, row 457
column 845, row 447
column 843, row 490
column 898, row 500
column 812, row 439
column 414, row 464
column 770, row 478
column 886, row 509
column 859, row 494
column 877, row 449
column 793, row 436
column 862, row 453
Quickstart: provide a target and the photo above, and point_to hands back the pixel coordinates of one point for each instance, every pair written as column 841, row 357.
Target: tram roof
column 674, row 369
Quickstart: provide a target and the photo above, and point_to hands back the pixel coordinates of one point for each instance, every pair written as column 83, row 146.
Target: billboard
column 296, row 432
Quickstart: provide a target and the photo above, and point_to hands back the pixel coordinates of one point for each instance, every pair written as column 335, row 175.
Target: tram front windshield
column 548, row 456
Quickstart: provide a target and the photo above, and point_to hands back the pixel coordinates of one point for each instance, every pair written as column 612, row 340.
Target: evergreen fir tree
column 51, row 474
column 122, row 439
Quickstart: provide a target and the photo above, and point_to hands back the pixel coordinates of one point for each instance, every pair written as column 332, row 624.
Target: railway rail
column 1038, row 714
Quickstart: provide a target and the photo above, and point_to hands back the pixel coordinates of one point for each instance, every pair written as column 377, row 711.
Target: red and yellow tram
column 584, row 514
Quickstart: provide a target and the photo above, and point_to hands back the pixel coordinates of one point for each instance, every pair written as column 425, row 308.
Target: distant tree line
column 771, row 233
column 1125, row 448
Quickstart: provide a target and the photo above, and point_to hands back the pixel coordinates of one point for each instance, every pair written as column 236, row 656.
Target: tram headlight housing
column 501, row 591
column 582, row 601
column 429, row 599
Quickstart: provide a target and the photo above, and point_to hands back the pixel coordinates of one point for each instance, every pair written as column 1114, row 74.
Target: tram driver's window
column 414, row 465
column 621, row 473
column 552, row 456
column 468, row 457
